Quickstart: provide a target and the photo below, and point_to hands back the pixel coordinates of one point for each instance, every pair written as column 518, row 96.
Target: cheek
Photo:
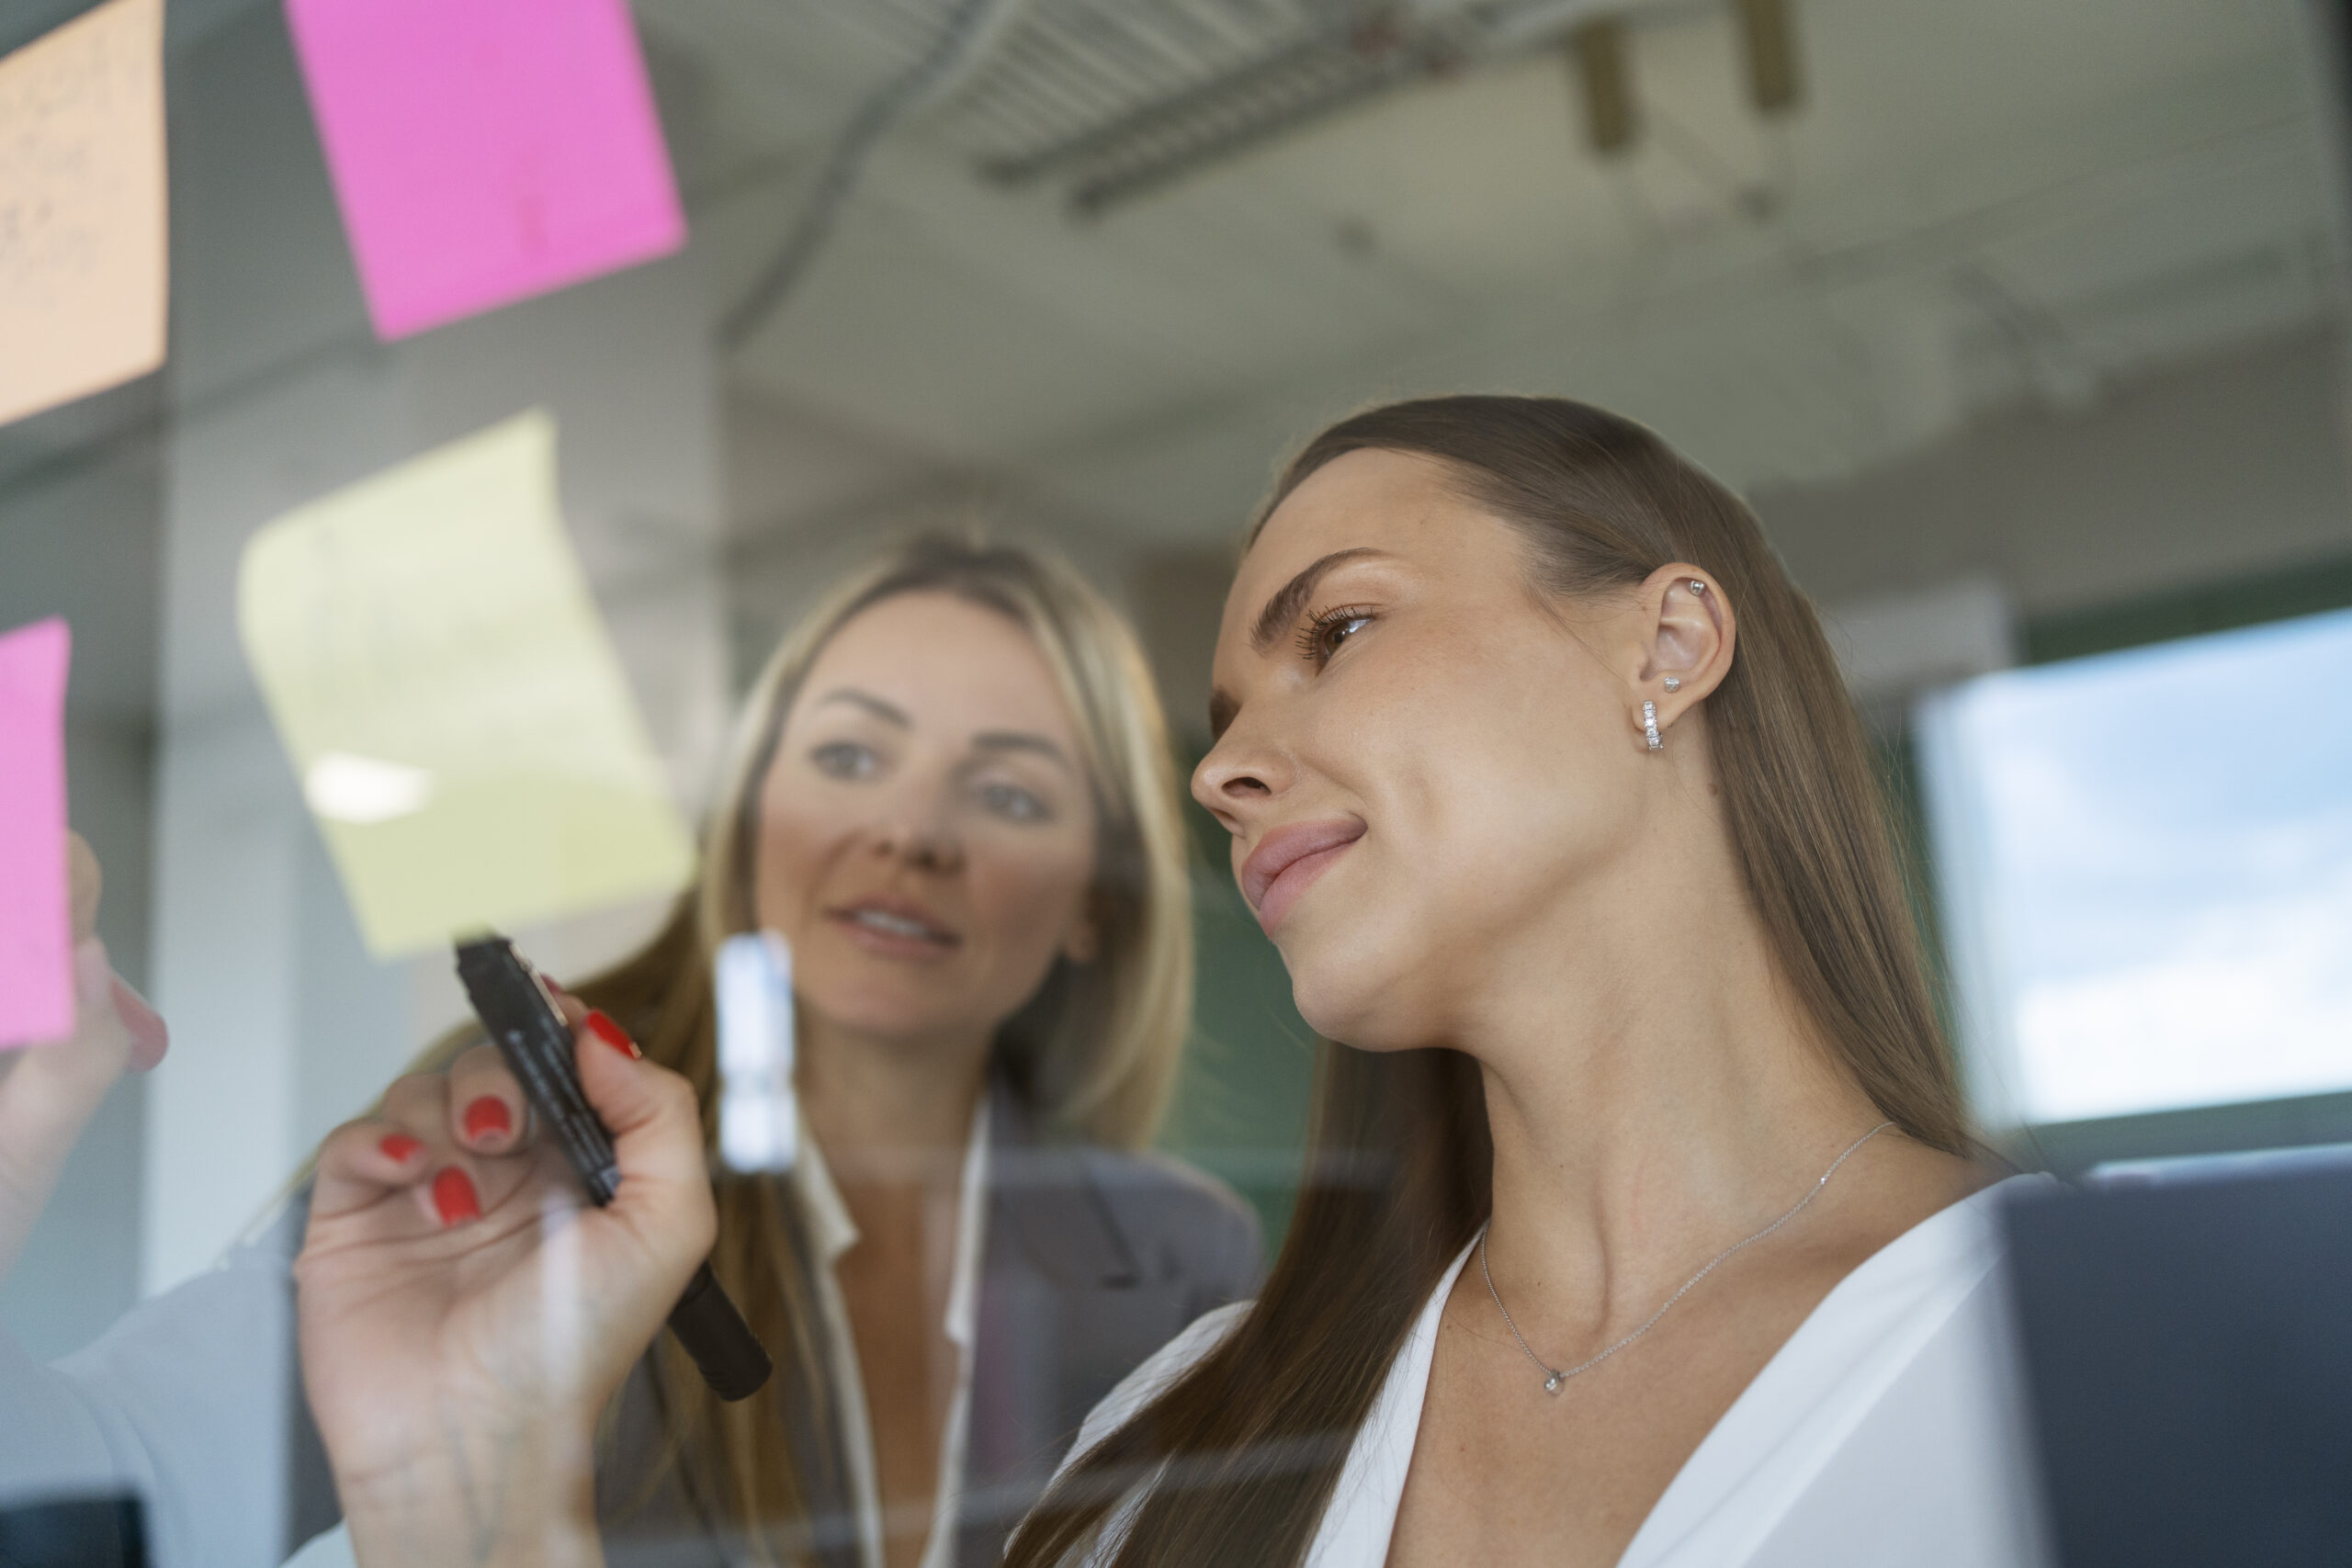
column 1026, row 891
column 1497, row 843
column 1493, row 789
column 1523, row 761
column 793, row 845
column 1466, row 756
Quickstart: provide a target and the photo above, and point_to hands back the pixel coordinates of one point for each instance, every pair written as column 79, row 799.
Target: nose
column 917, row 828
column 1239, row 775
column 926, row 847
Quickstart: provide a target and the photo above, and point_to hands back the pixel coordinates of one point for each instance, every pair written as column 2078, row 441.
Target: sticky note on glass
column 82, row 246
column 485, row 150
column 36, row 898
column 427, row 645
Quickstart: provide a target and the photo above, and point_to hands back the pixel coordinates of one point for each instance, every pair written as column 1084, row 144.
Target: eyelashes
column 1320, row 637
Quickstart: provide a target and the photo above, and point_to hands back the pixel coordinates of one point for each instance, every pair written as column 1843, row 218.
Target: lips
column 895, row 926
column 1288, row 860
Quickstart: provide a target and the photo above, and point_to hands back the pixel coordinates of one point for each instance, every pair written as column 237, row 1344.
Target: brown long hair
column 1399, row 1171
column 1095, row 1053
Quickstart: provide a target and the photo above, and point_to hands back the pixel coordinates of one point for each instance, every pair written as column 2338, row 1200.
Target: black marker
column 519, row 1010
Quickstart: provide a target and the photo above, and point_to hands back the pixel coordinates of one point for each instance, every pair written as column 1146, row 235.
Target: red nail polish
column 399, row 1147
column 605, row 1030
column 487, row 1115
column 454, row 1197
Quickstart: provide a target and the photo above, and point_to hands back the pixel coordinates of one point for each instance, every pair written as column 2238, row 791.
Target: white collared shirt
column 834, row 1233
column 1885, row 1431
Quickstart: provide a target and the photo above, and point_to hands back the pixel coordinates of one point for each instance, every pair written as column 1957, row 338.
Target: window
column 2146, row 861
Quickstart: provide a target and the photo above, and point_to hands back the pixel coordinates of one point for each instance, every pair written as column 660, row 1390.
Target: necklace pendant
column 1555, row 1381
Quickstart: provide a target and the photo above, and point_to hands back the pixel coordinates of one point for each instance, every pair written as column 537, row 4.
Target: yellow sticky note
column 82, row 233
column 427, row 644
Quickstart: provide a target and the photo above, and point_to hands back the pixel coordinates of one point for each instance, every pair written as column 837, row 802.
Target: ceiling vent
column 1114, row 98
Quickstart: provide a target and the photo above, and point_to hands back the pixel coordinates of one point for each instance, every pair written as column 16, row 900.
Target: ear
column 1688, row 627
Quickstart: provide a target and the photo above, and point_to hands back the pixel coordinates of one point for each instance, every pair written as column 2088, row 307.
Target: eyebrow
column 1291, row 598
column 1280, row 611
column 1019, row 740
column 889, row 711
column 987, row 740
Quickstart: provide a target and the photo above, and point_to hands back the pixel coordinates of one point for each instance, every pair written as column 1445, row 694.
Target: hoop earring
column 1649, row 727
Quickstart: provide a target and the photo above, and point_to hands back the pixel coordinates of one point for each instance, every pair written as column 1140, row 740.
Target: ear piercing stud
column 1697, row 586
column 1649, row 727
column 1673, row 682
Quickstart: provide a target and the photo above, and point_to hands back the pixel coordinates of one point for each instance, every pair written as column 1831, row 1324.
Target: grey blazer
column 1091, row 1260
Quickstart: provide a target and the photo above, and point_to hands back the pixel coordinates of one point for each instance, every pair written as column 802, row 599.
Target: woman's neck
column 1653, row 1098
column 887, row 1109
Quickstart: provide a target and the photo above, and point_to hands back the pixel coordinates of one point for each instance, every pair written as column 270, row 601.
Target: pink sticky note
column 36, row 906
column 485, row 150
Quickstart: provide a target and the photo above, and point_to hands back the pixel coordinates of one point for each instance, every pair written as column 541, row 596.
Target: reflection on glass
column 759, row 1119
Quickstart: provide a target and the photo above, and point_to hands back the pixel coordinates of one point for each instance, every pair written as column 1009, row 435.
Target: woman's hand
column 48, row 1093
column 465, row 1314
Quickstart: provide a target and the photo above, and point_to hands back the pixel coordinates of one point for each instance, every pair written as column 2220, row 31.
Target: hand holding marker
column 517, row 1006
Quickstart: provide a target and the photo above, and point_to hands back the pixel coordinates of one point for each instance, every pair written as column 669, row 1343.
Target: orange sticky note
column 82, row 233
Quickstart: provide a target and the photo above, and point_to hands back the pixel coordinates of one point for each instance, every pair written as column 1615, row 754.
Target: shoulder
column 1160, row 1222
column 1158, row 1373
column 1148, row 1179
column 1181, row 1221
column 1885, row 1429
column 1919, row 1441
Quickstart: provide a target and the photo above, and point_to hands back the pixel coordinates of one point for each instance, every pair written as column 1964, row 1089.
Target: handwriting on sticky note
column 485, row 150
column 428, row 647
column 82, row 246
column 36, row 898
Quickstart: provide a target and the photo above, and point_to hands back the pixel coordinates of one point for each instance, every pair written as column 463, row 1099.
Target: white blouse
column 1886, row 1430
column 834, row 1233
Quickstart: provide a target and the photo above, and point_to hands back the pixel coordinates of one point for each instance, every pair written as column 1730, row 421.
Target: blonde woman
column 952, row 796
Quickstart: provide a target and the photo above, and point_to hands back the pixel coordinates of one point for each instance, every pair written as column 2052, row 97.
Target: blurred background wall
column 2023, row 325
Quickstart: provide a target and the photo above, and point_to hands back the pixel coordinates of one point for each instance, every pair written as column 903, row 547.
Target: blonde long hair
column 1095, row 1053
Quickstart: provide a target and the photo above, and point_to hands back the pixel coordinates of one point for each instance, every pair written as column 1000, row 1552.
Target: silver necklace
column 1556, row 1378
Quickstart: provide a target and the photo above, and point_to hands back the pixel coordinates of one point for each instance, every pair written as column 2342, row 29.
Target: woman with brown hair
column 952, row 797
column 1645, row 1226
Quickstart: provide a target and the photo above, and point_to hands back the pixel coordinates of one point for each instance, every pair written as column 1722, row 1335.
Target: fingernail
column 487, row 1115
column 605, row 1030
column 399, row 1147
column 454, row 1197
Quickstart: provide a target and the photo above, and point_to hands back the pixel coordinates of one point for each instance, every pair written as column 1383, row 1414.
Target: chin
column 879, row 1010
column 1349, row 991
